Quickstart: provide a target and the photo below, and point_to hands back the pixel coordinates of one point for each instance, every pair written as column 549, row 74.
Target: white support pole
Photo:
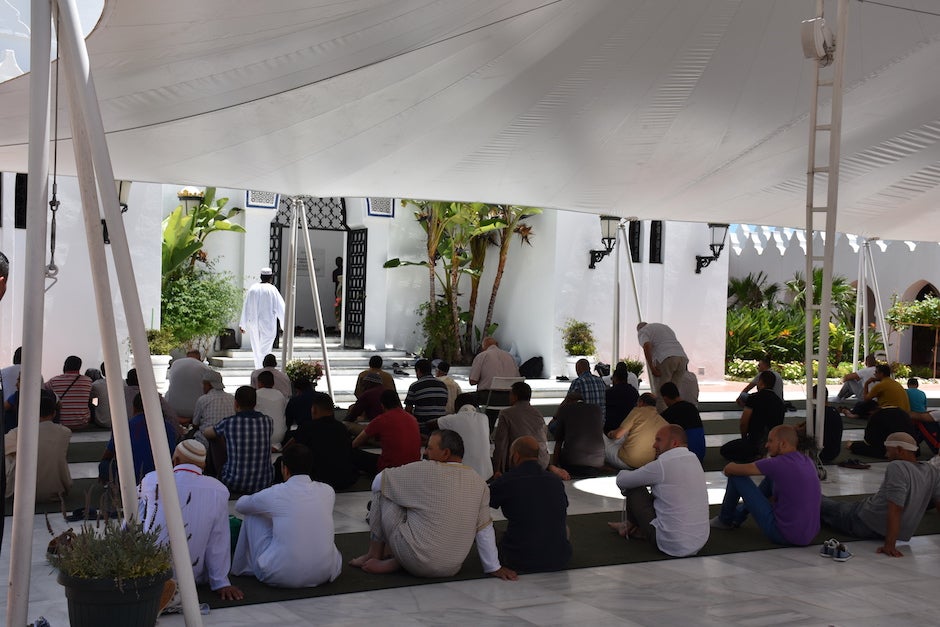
column 636, row 289
column 615, row 335
column 879, row 304
column 866, row 313
column 74, row 46
column 102, row 287
column 311, row 266
column 34, row 299
column 860, row 303
column 341, row 322
column 289, row 285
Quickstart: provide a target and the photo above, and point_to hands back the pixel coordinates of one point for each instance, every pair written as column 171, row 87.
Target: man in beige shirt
column 427, row 514
column 631, row 444
column 52, row 477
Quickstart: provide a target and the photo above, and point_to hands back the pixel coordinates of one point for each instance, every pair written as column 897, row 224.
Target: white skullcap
column 191, row 452
column 901, row 440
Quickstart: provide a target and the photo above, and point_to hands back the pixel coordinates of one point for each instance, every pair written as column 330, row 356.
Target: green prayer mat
column 594, row 545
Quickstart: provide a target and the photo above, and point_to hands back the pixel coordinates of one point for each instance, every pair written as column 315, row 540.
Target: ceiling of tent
column 689, row 110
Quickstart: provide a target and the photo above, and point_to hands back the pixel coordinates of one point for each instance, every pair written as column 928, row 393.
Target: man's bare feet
column 619, row 527
column 358, row 562
column 381, row 567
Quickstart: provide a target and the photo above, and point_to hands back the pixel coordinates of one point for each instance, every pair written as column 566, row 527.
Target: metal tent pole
column 102, row 287
column 87, row 101
column 860, row 302
column 34, row 298
column 636, row 291
column 615, row 336
column 311, row 264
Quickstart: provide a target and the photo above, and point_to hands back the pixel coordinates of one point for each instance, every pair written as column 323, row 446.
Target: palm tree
column 752, row 292
column 843, row 295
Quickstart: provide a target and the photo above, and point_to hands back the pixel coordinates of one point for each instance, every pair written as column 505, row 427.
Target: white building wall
column 71, row 319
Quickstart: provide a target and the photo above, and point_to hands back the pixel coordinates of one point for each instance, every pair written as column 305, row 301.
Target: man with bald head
column 675, row 516
column 665, row 358
column 786, row 504
column 536, row 506
column 491, row 362
column 894, row 511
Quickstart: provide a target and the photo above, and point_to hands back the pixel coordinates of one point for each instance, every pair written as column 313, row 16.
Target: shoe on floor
column 829, row 547
column 841, row 554
column 718, row 523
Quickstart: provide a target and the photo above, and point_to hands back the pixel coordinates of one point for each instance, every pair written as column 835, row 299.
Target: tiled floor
column 783, row 586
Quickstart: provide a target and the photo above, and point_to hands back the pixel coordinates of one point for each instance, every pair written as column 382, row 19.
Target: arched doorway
column 922, row 338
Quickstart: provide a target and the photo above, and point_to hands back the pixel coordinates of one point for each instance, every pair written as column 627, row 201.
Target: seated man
column 140, row 446
column 272, row 404
column 763, row 365
column 375, row 367
column 441, row 372
column 832, row 431
column 881, row 424
column 247, row 439
column 685, row 414
column 427, row 397
column 286, row 538
column 852, row 383
column 328, row 441
column 281, row 381
column 426, row 515
column 52, row 474
column 517, row 420
column 587, row 387
column 536, row 507
column 210, row 409
column 675, row 516
column 184, row 380
column 763, row 411
column 397, row 433
column 879, row 391
column 893, row 513
column 579, row 437
column 786, row 504
column 915, row 396
column 620, row 397
column 368, row 404
column 474, row 429
column 73, row 390
column 631, row 444
column 205, row 513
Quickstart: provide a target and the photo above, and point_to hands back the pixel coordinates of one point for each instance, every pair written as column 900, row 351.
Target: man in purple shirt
column 786, row 504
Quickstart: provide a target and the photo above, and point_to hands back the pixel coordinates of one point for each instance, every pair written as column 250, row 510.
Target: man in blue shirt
column 140, row 446
column 247, row 434
column 587, row 387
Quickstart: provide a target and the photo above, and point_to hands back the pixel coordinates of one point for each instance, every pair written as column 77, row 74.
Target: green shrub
column 634, row 365
column 578, row 338
column 900, row 371
column 198, row 304
column 741, row 369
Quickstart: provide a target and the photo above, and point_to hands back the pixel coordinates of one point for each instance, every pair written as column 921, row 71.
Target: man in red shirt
column 397, row 433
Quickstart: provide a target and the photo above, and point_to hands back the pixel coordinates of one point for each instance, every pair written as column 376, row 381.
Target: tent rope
column 52, row 270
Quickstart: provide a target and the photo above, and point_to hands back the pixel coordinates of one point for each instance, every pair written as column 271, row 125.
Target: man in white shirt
column 474, row 428
column 272, row 403
column 281, row 381
column 854, row 382
column 491, row 362
column 286, row 538
column 675, row 516
column 205, row 513
column 665, row 358
column 185, row 384
column 262, row 310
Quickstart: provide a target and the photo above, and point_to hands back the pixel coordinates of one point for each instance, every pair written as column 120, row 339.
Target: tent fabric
column 687, row 110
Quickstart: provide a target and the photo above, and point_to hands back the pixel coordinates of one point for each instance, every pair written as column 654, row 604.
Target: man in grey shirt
column 893, row 512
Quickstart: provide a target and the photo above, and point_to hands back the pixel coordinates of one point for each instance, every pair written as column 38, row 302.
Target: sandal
column 854, row 464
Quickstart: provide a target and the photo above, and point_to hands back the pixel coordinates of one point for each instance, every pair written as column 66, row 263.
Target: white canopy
column 672, row 109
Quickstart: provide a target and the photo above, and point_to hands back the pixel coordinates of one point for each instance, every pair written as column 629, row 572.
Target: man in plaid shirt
column 247, row 437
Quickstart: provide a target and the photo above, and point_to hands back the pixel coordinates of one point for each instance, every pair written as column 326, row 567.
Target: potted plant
column 161, row 342
column 635, row 366
column 113, row 573
column 579, row 343
column 297, row 369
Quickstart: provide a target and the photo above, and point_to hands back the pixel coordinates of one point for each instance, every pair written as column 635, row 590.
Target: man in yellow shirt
column 885, row 390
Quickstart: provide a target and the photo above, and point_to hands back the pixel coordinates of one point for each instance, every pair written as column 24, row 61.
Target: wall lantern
column 609, row 226
column 190, row 197
column 718, row 233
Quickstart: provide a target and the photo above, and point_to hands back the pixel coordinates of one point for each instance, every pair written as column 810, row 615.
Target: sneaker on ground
column 718, row 523
column 841, row 554
column 829, row 547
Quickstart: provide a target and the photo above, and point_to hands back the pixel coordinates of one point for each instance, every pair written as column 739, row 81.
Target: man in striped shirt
column 427, row 397
column 74, row 392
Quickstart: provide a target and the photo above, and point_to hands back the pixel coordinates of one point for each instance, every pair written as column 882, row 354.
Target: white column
column 27, row 441
column 70, row 38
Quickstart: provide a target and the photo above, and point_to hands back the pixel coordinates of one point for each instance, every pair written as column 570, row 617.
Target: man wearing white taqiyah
column 204, row 502
column 263, row 307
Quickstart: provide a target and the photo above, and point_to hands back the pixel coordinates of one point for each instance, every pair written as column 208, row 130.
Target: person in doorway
column 263, row 309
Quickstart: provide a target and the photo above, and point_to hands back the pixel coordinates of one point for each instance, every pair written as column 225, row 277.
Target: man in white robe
column 263, row 307
column 286, row 538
